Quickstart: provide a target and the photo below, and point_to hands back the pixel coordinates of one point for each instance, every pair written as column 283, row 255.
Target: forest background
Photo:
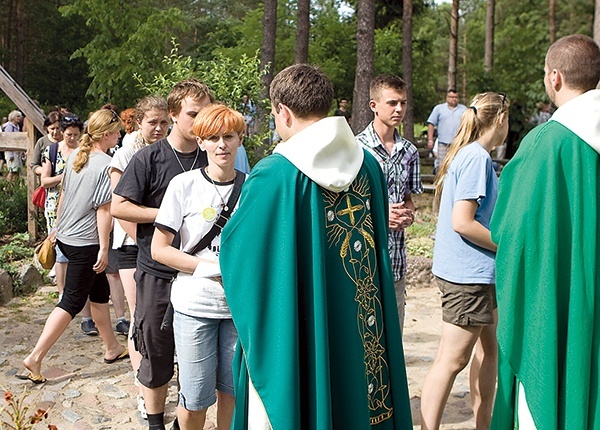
column 84, row 53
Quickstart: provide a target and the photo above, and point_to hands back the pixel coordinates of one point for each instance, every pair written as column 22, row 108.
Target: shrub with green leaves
column 13, row 210
column 18, row 248
column 11, row 255
column 228, row 80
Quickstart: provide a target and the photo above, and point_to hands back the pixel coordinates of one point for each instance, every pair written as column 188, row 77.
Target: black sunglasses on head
column 115, row 117
column 502, row 97
column 69, row 119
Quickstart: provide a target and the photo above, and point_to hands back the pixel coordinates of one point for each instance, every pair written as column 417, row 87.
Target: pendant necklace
column 179, row 161
column 209, row 213
column 223, row 204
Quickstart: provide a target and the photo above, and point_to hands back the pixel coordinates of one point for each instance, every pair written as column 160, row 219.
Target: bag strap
column 53, row 156
column 223, row 216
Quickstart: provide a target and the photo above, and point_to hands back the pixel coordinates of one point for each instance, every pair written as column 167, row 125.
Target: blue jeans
column 205, row 349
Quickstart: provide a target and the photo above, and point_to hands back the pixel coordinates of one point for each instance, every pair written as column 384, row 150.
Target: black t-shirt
column 144, row 182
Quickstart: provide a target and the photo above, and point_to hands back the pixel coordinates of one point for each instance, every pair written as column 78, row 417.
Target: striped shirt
column 402, row 172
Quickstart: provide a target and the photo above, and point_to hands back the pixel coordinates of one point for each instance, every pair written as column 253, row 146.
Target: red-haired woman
column 205, row 336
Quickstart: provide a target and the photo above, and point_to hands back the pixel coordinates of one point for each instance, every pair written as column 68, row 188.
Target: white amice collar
column 327, row 152
column 581, row 115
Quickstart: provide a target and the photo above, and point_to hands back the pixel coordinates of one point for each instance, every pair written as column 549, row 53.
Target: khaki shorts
column 468, row 304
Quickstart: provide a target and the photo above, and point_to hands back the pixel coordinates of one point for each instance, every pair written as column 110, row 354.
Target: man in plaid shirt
column 399, row 160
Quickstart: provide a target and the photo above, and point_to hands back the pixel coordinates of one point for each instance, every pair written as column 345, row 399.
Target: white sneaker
column 141, row 407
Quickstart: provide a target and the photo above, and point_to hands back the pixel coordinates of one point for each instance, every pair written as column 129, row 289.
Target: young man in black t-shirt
column 136, row 198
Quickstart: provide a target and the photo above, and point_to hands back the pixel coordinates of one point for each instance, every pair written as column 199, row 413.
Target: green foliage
column 51, row 76
column 228, row 80
column 78, row 48
column 420, row 247
column 333, row 47
column 129, row 37
column 419, row 236
column 6, row 105
column 177, row 68
column 248, row 34
column 18, row 248
column 13, row 211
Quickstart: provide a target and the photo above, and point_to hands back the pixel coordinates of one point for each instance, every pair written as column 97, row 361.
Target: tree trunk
column 453, row 45
column 302, row 31
column 597, row 22
column 267, row 61
column 552, row 18
column 407, row 24
column 19, row 71
column 9, row 31
column 465, row 60
column 489, row 36
column 267, row 53
column 365, row 43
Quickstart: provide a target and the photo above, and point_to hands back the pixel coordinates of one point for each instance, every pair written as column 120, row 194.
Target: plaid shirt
column 402, row 173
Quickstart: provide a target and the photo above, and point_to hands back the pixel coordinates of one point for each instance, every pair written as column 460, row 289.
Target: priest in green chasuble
column 308, row 278
column 547, row 226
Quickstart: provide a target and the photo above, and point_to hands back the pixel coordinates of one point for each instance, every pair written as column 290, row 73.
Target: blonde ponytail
column 85, row 147
column 100, row 122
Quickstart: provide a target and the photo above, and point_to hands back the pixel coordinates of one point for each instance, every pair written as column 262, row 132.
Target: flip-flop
column 121, row 356
column 36, row 379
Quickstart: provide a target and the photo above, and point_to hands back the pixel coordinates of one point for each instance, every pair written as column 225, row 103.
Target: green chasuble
column 309, row 284
column 546, row 225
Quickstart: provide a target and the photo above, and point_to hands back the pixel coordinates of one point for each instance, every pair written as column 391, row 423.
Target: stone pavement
column 84, row 393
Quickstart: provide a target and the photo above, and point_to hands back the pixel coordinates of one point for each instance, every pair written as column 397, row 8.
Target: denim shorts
column 205, row 349
column 60, row 257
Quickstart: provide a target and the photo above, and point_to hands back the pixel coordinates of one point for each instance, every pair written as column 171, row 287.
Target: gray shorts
column 113, row 262
column 467, row 304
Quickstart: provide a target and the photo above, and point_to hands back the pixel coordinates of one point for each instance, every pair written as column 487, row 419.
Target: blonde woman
column 463, row 262
column 83, row 228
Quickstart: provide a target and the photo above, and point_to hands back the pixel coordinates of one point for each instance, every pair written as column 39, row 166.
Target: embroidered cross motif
column 350, row 210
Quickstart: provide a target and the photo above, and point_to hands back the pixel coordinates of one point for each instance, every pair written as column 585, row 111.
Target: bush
column 228, row 80
column 18, row 248
column 13, row 211
column 11, row 255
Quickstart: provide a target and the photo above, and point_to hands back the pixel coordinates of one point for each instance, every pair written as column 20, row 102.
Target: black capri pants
column 81, row 280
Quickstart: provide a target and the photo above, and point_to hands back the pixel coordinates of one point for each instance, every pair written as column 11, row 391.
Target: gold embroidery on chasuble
column 349, row 222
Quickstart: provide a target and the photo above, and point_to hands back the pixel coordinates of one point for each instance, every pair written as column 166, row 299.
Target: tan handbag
column 46, row 254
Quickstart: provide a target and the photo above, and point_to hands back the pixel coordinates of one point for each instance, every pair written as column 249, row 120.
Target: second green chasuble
column 546, row 225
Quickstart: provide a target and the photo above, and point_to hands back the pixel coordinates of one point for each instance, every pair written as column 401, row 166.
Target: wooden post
column 32, row 209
